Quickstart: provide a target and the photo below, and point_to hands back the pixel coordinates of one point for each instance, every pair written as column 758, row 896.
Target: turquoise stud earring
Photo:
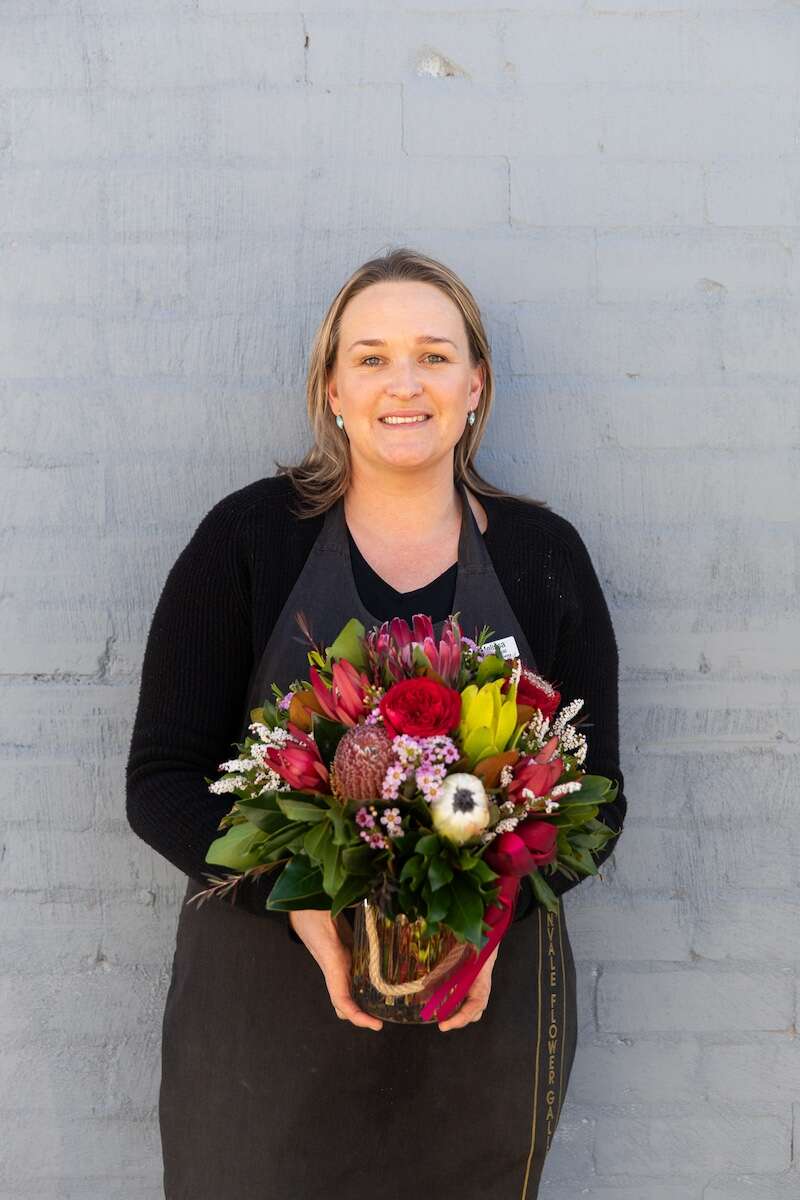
column 471, row 417
column 340, row 420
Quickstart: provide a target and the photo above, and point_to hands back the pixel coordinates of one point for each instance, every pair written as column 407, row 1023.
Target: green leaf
column 239, row 848
column 420, row 659
column 411, row 867
column 413, row 870
column 351, row 891
column 358, row 860
column 439, row 873
column 290, row 836
column 592, row 788
column 348, row 644
column 300, row 810
column 573, row 815
column 428, row 845
column 333, row 874
column 316, row 839
column 266, row 802
column 543, row 892
column 584, row 865
column 492, row 667
column 439, row 904
column 483, row 871
column 340, row 834
column 590, row 841
column 327, row 734
column 465, row 914
column 299, row 885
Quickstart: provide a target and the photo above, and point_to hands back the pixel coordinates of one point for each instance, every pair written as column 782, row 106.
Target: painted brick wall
column 184, row 184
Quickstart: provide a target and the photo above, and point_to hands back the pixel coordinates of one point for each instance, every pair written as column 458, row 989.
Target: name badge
column 505, row 647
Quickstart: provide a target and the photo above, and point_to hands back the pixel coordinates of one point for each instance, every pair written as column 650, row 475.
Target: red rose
column 531, row 845
column 420, row 707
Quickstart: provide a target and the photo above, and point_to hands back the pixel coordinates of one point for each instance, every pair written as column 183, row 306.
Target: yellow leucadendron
column 488, row 720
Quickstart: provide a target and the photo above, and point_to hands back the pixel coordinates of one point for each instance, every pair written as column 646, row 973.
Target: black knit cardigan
column 219, row 604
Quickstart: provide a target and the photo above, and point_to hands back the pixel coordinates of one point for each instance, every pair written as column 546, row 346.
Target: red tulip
column 531, row 845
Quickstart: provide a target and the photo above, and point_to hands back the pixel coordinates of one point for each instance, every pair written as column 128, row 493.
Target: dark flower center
column 463, row 800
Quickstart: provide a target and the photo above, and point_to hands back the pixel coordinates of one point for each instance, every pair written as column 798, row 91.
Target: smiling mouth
column 418, row 420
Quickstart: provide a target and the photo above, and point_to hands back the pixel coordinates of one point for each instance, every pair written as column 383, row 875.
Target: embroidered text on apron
column 267, row 1095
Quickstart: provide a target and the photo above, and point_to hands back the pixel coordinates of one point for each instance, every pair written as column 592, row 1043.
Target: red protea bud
column 360, row 763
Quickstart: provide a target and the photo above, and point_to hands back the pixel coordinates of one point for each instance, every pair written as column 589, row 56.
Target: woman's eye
column 376, row 357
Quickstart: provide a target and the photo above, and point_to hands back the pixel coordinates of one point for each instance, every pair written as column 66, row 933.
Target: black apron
column 267, row 1095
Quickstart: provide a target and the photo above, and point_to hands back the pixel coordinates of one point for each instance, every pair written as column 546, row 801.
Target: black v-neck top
column 435, row 599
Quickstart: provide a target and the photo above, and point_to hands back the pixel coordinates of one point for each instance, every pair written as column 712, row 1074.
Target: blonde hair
column 324, row 474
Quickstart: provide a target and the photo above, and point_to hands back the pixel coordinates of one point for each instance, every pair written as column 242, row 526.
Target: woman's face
column 416, row 364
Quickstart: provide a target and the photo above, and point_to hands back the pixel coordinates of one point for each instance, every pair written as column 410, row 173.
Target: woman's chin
column 405, row 457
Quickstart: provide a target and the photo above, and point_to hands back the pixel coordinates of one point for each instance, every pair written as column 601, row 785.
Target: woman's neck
column 408, row 510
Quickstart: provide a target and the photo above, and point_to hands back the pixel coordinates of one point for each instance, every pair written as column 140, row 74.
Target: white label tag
column 505, row 647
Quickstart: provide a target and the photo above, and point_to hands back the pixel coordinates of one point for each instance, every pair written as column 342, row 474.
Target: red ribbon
column 447, row 997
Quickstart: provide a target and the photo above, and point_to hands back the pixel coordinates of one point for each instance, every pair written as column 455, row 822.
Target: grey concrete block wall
column 184, row 184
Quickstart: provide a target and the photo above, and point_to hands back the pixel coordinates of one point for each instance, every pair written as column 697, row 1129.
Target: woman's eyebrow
column 426, row 338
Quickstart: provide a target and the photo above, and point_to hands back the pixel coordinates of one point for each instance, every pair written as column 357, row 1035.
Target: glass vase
column 408, row 964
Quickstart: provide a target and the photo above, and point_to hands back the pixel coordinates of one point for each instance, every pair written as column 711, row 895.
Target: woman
column 264, row 1093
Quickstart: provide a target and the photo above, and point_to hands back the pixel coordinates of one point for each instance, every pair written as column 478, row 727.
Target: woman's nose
column 405, row 378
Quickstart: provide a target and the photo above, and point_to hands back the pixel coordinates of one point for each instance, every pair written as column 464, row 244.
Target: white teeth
column 403, row 420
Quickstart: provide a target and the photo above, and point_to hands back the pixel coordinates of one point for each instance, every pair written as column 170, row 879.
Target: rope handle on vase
column 414, row 986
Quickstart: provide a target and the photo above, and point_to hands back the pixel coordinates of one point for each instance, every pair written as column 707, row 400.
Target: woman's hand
column 476, row 999
column 331, row 944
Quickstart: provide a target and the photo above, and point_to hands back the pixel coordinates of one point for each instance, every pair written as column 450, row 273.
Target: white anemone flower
column 461, row 810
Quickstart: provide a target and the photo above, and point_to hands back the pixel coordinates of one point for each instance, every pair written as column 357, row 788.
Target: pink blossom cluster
column 365, row 817
column 427, row 758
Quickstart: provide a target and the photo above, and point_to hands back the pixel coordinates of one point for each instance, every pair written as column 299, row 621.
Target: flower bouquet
column 416, row 780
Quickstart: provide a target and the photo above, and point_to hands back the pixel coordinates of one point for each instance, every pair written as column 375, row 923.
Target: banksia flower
column 360, row 763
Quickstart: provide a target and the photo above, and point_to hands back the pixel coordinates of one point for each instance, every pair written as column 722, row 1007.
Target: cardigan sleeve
column 195, row 672
column 586, row 666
